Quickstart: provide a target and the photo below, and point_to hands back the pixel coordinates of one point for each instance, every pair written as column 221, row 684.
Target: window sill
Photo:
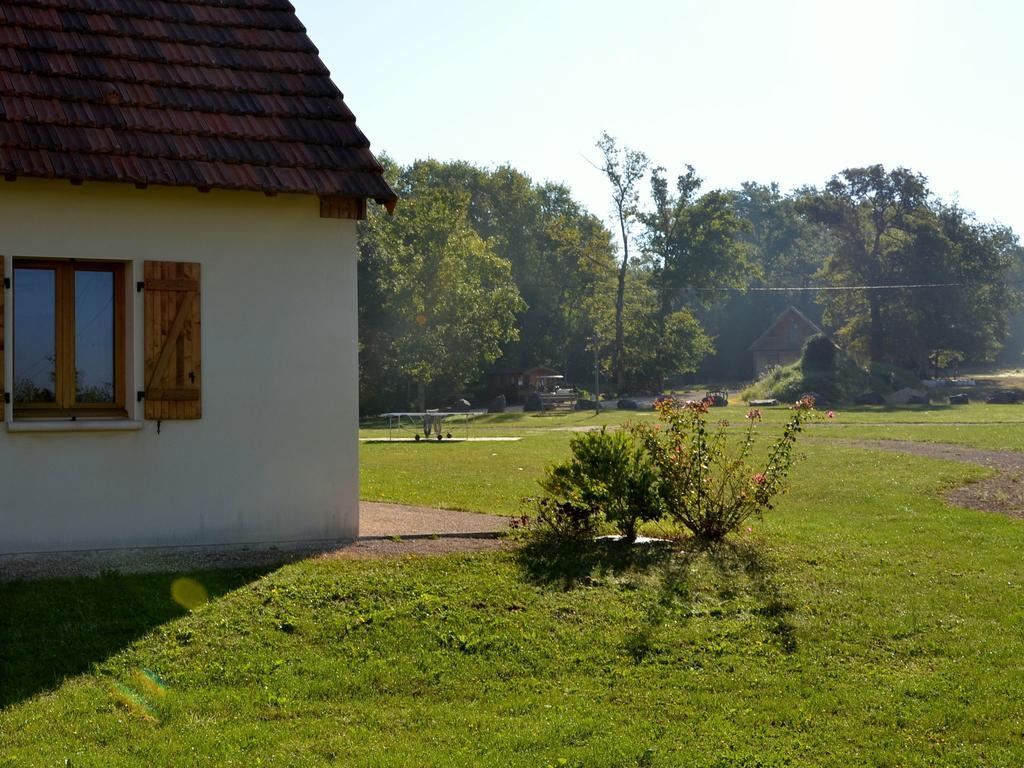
column 79, row 425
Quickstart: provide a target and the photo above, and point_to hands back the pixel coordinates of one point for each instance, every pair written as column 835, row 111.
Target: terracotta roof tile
column 208, row 93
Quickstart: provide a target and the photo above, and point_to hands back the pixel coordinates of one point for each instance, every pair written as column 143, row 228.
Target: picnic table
column 431, row 422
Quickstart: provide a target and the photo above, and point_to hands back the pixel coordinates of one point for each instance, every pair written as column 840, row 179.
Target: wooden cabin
column 783, row 342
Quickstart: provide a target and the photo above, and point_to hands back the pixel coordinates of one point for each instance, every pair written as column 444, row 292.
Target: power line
column 815, row 288
column 887, row 287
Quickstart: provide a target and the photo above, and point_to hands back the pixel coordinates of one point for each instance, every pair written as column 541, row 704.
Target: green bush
column 819, row 354
column 608, row 477
column 707, row 482
column 840, row 383
column 677, row 468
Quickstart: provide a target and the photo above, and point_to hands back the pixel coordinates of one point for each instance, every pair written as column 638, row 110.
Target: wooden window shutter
column 172, row 341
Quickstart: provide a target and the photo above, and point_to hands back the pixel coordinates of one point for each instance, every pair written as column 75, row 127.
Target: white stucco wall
column 275, row 456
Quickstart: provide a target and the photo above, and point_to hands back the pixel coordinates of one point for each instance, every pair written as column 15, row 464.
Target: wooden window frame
column 65, row 405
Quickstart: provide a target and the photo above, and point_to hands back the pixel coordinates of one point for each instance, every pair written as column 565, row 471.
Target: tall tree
column 657, row 345
column 934, row 279
column 784, row 249
column 693, row 255
column 625, row 169
column 694, row 242
column 437, row 302
column 1013, row 345
column 562, row 258
column 867, row 209
column 963, row 315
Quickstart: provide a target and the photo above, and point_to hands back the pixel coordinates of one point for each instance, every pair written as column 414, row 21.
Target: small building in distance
column 515, row 384
column 783, row 342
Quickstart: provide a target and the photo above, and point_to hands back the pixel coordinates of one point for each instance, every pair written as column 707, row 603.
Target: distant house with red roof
column 181, row 182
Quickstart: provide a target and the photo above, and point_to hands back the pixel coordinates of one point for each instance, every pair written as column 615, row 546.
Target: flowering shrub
column 706, row 482
column 609, row 477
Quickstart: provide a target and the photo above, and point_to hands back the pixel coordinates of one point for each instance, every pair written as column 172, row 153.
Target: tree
column 867, row 209
column 657, row 345
column 926, row 281
column 1013, row 345
column 786, row 247
column 561, row 256
column 624, row 168
column 783, row 249
column 694, row 242
column 437, row 302
column 962, row 316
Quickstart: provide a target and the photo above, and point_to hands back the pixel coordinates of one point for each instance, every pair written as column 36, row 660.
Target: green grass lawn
column 513, row 424
column 494, row 478
column 475, row 477
column 861, row 623
column 521, row 424
column 997, row 437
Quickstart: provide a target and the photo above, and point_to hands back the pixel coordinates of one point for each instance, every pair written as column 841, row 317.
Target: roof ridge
column 116, row 7
column 143, row 35
column 788, row 310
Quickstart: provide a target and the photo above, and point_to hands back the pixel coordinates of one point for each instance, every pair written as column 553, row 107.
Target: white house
column 181, row 183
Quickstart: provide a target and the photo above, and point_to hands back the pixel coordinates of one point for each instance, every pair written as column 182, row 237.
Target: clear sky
column 789, row 91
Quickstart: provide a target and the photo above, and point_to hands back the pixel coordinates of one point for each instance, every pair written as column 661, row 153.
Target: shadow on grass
column 566, row 565
column 737, row 567
column 53, row 630
column 693, row 577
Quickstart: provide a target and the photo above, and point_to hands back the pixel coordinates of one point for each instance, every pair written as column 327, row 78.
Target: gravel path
column 388, row 530
column 379, row 519
column 1002, row 493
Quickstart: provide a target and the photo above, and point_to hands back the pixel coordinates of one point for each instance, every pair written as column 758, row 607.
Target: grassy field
column 861, row 623
column 495, row 477
column 832, row 633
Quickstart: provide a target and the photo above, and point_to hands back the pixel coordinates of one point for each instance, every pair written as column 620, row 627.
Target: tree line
column 479, row 267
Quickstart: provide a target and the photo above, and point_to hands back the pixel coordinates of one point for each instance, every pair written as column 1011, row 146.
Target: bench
column 558, row 403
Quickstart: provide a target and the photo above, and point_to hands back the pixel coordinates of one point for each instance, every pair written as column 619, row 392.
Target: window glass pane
column 35, row 336
column 94, row 337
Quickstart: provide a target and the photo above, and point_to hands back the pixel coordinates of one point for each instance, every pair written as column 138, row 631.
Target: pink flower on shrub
column 754, row 414
column 831, row 414
column 759, row 478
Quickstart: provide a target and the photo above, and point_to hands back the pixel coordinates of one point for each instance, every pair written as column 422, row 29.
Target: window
column 69, row 339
